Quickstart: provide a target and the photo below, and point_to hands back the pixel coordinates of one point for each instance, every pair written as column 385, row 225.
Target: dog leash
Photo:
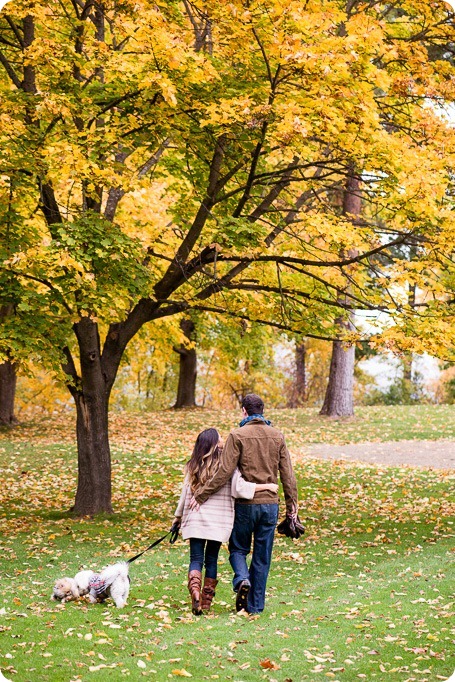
column 174, row 533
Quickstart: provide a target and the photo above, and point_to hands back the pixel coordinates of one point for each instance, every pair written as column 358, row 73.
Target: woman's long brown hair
column 205, row 459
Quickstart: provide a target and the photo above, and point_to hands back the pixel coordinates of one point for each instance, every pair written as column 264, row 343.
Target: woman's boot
column 194, row 587
column 208, row 592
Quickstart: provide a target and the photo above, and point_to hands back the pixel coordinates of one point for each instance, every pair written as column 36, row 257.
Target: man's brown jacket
column 260, row 452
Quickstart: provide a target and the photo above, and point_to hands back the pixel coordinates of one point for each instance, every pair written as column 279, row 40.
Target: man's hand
column 294, row 513
column 194, row 506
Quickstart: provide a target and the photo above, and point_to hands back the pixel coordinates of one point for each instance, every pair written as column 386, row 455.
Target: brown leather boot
column 194, row 587
column 208, row 592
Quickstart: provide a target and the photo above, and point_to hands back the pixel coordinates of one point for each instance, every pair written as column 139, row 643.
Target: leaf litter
column 371, row 574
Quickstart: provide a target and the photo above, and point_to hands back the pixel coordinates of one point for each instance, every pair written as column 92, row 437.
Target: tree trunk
column 407, row 367
column 93, row 494
column 408, row 387
column 339, row 401
column 7, row 393
column 186, row 391
column 339, row 398
column 299, row 388
column 91, row 395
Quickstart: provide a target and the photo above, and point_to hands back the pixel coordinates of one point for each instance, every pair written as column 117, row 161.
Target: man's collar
column 255, row 417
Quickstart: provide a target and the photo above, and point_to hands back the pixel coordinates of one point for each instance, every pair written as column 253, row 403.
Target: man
column 260, row 452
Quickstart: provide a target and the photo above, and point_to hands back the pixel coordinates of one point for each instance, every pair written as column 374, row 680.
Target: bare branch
column 276, row 325
column 283, row 291
column 285, row 260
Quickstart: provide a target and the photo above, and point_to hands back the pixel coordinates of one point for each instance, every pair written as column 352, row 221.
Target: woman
column 210, row 525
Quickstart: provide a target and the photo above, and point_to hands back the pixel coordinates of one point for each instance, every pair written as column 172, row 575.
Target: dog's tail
column 111, row 573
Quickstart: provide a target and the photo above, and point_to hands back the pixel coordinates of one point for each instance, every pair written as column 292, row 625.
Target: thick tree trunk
column 299, row 388
column 93, row 494
column 7, row 393
column 338, row 401
column 339, row 398
column 91, row 395
column 186, row 391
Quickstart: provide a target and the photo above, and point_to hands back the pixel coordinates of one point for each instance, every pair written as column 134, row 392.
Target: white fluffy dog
column 113, row 581
column 70, row 589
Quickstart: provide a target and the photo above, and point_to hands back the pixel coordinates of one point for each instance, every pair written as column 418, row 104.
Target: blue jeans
column 204, row 552
column 258, row 521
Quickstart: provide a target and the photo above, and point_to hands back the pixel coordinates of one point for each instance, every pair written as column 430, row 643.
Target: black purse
column 291, row 527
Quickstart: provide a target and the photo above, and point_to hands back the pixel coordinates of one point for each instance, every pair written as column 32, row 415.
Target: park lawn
column 138, row 431
column 367, row 594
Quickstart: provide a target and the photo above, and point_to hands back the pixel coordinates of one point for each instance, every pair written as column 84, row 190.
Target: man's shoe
column 241, row 601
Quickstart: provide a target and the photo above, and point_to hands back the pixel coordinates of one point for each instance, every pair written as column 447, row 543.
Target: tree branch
column 284, row 260
column 173, row 276
column 16, row 31
column 303, row 294
column 46, row 283
column 49, row 206
column 70, row 370
column 116, row 193
column 276, row 325
column 10, row 71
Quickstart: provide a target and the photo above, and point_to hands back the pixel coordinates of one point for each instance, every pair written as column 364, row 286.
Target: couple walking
column 230, row 494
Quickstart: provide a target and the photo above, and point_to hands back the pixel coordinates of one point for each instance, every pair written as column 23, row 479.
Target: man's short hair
column 253, row 404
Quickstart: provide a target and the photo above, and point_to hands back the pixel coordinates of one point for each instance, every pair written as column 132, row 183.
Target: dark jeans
column 204, row 552
column 258, row 521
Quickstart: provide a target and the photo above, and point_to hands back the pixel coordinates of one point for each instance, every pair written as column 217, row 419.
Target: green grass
column 378, row 423
column 367, row 594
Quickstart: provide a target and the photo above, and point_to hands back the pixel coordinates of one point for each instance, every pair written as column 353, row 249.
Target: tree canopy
column 158, row 157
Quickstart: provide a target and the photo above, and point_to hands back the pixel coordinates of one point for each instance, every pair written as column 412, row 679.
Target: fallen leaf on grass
column 268, row 664
column 182, row 673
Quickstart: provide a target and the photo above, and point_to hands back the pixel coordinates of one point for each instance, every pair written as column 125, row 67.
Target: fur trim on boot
column 194, row 587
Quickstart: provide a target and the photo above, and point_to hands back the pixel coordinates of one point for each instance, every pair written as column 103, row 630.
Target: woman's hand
column 271, row 487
